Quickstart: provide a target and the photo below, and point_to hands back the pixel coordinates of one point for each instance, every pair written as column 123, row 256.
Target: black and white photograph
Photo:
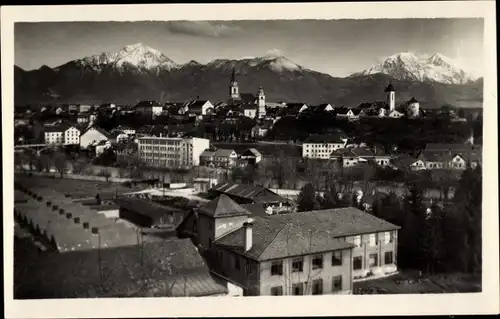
column 252, row 156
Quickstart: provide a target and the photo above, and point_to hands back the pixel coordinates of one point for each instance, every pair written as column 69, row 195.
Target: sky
column 336, row 47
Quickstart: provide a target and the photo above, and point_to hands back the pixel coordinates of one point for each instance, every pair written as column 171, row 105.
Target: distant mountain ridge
column 408, row 66
column 138, row 72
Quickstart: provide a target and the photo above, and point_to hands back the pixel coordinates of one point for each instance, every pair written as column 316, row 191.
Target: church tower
column 234, row 93
column 261, row 102
column 391, row 97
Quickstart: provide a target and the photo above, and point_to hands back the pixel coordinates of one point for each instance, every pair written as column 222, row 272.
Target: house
column 72, row 108
column 408, row 163
column 200, row 107
column 125, row 149
column 204, row 184
column 294, row 109
column 148, row 214
column 395, row 114
column 321, row 146
column 306, row 253
column 119, row 136
column 250, row 110
column 434, row 159
column 325, row 107
column 126, row 129
column 72, row 135
column 260, row 130
column 82, row 118
column 101, row 146
column 225, row 158
column 93, row 135
column 207, row 158
column 149, row 109
column 344, row 112
column 413, row 108
column 381, row 158
column 247, row 194
column 84, row 108
column 251, row 156
column 54, row 134
column 166, row 268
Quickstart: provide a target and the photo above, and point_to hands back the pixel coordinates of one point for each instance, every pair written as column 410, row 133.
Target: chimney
column 69, row 215
column 85, row 225
column 247, row 226
column 197, row 98
column 76, row 220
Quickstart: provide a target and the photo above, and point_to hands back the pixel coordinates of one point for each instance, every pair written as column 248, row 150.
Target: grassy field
column 410, row 283
column 77, row 188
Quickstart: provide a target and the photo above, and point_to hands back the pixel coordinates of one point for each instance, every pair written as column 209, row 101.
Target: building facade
column 173, row 152
column 72, row 136
column 93, row 135
column 321, row 146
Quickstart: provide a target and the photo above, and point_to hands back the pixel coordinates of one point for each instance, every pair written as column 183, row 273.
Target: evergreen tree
column 308, row 199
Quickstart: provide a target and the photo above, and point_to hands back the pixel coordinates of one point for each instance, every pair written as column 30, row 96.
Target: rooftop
column 255, row 193
column 324, row 138
column 161, row 268
column 282, row 236
column 223, row 206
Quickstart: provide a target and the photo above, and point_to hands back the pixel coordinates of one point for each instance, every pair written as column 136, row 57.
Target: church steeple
column 234, row 93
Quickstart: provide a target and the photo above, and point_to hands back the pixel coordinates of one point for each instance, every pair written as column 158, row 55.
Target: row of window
column 357, row 262
column 148, row 154
column 317, row 287
column 298, row 263
column 383, row 238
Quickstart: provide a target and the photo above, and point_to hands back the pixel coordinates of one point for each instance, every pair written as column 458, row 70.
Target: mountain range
column 138, row 72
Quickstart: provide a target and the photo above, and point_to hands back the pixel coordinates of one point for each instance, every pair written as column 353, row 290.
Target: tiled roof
column 255, row 209
column 139, row 271
column 294, row 107
column 247, row 97
column 221, row 152
column 197, row 105
column 57, row 128
column 324, row 138
column 207, row 153
column 281, row 236
column 342, row 110
column 255, row 193
column 412, row 100
column 100, row 130
column 146, row 207
column 435, row 156
column 223, row 206
column 362, row 152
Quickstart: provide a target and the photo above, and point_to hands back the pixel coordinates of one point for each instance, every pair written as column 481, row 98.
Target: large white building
column 93, row 136
column 62, row 134
column 321, row 146
column 171, row 152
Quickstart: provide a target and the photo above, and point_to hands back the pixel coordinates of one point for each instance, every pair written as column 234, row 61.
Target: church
column 252, row 106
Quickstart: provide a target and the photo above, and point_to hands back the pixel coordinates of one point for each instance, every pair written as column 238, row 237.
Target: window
column 337, row 283
column 297, row 265
column 388, row 237
column 357, row 241
column 277, row 268
column 373, row 258
column 337, row 258
column 277, row 291
column 317, row 288
column 357, row 263
column 372, row 240
column 236, row 262
column 317, row 262
column 298, row 289
column 388, row 257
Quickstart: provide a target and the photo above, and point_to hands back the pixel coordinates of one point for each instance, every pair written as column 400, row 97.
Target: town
column 246, row 197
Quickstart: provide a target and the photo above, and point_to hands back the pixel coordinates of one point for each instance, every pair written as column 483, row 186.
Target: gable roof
column 282, row 236
column 146, row 207
column 207, row 153
column 251, row 152
column 295, row 107
column 223, row 206
column 254, row 193
column 222, row 152
column 100, row 130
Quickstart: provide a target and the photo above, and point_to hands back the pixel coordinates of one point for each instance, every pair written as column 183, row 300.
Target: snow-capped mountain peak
column 136, row 55
column 409, row 66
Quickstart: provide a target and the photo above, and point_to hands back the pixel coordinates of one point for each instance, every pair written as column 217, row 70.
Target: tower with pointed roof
column 261, row 102
column 413, row 108
column 234, row 93
column 391, row 97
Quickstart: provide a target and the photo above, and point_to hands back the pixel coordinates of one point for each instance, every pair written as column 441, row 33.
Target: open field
column 410, row 283
column 77, row 188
